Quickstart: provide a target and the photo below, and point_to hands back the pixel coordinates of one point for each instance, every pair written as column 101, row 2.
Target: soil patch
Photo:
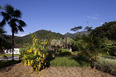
column 19, row 70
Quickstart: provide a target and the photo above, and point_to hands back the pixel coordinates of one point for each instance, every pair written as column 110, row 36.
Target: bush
column 110, row 49
column 65, row 52
column 106, row 64
column 35, row 55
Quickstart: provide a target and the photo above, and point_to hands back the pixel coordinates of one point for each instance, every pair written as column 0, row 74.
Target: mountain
column 44, row 34
column 69, row 34
column 41, row 34
column 78, row 33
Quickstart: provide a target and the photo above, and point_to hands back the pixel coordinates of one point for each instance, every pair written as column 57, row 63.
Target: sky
column 61, row 15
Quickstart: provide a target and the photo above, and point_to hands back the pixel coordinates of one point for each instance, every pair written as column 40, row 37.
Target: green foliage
column 106, row 64
column 72, row 35
column 35, row 55
column 110, row 49
column 41, row 34
column 70, row 62
column 89, row 45
column 76, row 28
column 65, row 52
column 106, row 30
column 4, row 42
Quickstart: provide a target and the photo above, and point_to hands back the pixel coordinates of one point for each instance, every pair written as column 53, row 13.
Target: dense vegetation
column 4, row 41
column 41, row 34
column 77, row 33
column 107, row 30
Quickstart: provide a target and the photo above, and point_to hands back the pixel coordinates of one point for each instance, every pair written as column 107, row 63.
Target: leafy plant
column 35, row 55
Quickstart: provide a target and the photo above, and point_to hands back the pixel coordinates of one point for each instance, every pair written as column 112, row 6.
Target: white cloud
column 20, row 35
column 93, row 17
column 101, row 23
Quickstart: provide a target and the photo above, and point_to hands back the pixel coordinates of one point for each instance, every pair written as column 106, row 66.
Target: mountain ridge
column 45, row 34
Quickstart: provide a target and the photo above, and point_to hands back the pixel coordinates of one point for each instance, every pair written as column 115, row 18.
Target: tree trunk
column 12, row 45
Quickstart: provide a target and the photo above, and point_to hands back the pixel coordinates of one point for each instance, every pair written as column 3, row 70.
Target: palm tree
column 12, row 17
column 67, row 43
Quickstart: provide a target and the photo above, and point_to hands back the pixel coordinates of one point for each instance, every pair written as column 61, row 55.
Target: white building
column 16, row 50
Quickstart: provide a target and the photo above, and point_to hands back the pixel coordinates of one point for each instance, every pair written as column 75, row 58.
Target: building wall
column 16, row 51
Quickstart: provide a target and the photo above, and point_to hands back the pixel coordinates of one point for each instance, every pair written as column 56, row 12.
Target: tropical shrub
column 35, row 55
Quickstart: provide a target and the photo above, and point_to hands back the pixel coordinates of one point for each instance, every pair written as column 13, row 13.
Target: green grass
column 4, row 63
column 69, row 62
column 1, row 55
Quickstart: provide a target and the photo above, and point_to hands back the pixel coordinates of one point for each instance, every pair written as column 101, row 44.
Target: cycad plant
column 12, row 17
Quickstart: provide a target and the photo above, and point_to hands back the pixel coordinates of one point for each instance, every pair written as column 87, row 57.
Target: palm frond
column 5, row 16
column 17, row 13
column 1, row 7
column 9, row 9
column 2, row 23
column 2, row 31
column 22, row 23
column 20, row 28
column 14, row 20
column 12, row 24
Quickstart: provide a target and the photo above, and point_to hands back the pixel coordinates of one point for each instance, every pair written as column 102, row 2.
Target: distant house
column 16, row 50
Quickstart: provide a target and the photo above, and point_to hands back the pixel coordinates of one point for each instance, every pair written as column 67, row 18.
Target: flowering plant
column 35, row 54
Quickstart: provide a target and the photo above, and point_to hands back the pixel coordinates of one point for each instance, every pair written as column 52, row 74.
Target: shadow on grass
column 83, row 61
column 8, row 63
column 49, row 58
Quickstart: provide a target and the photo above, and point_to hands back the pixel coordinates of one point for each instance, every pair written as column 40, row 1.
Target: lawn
column 70, row 62
column 1, row 55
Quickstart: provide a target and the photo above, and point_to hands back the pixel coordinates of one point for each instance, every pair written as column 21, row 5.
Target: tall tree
column 12, row 17
column 76, row 28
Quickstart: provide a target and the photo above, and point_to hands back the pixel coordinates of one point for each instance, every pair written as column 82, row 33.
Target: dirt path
column 19, row 70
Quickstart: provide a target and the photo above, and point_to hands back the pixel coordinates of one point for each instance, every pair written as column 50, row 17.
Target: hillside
column 44, row 34
column 78, row 33
column 41, row 34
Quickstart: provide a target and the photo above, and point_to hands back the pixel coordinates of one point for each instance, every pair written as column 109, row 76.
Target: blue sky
column 61, row 15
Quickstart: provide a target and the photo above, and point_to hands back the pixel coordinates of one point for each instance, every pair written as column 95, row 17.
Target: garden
column 45, row 58
column 85, row 55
